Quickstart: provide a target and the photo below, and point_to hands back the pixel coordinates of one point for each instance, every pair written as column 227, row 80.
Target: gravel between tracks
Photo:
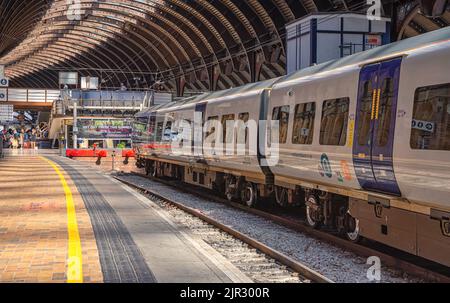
column 254, row 264
column 331, row 261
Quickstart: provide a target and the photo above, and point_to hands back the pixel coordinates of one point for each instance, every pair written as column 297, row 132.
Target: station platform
column 64, row 221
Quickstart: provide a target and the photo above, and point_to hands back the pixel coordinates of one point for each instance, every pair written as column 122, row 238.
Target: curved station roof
column 198, row 45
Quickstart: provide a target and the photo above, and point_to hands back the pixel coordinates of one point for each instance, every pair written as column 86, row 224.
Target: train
column 362, row 143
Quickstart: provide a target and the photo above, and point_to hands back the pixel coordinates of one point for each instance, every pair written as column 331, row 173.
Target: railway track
column 258, row 261
column 387, row 259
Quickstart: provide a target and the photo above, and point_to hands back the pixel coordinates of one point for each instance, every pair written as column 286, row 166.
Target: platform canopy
column 177, row 45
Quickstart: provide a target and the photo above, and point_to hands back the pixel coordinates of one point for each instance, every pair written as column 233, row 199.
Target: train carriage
column 363, row 142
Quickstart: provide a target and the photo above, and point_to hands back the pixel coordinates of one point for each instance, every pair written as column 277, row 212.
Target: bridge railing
column 30, row 95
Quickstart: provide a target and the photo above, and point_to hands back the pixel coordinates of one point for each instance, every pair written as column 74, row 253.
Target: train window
column 152, row 127
column 159, row 131
column 431, row 118
column 244, row 117
column 333, row 128
column 167, row 134
column 303, row 130
column 211, row 129
column 211, row 124
column 385, row 112
column 365, row 112
column 227, row 130
column 242, row 133
column 281, row 113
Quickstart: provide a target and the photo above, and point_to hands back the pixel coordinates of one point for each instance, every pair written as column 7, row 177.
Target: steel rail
column 280, row 257
column 359, row 249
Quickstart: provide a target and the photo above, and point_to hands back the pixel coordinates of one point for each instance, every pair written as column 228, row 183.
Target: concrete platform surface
column 63, row 221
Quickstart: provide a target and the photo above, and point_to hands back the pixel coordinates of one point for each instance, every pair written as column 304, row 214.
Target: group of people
column 19, row 138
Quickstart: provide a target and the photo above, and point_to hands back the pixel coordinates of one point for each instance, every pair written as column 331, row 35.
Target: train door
column 375, row 126
column 199, row 120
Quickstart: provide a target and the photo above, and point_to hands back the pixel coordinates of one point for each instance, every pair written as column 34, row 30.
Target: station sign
column 373, row 39
column 4, row 82
column 423, row 125
column 3, row 94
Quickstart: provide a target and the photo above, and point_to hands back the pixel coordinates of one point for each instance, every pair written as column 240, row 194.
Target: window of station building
column 227, row 130
column 333, row 127
column 281, row 113
column 303, row 130
column 96, row 143
column 431, row 118
column 365, row 112
column 121, row 144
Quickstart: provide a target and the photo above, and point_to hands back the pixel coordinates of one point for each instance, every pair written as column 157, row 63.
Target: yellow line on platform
column 74, row 262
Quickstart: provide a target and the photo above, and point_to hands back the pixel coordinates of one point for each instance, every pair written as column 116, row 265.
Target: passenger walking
column 21, row 138
column 33, row 139
column 14, row 142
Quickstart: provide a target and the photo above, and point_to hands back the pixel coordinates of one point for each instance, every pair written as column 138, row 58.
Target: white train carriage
column 363, row 142
column 231, row 136
column 370, row 127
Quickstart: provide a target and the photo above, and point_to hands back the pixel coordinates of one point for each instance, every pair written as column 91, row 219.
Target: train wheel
column 249, row 194
column 313, row 212
column 139, row 164
column 281, row 196
column 352, row 229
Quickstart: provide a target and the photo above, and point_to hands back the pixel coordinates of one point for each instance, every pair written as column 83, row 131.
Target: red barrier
column 82, row 153
column 128, row 153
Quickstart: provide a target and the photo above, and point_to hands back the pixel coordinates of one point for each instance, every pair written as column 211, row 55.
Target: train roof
column 255, row 87
column 373, row 55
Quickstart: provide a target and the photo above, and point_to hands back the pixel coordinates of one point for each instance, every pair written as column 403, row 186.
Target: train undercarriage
column 375, row 219
column 322, row 209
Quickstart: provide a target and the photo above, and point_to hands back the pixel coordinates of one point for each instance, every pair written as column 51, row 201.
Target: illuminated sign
column 104, row 128
column 4, row 82
column 373, row 39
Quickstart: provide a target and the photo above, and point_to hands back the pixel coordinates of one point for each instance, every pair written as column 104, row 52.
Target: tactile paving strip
column 120, row 258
